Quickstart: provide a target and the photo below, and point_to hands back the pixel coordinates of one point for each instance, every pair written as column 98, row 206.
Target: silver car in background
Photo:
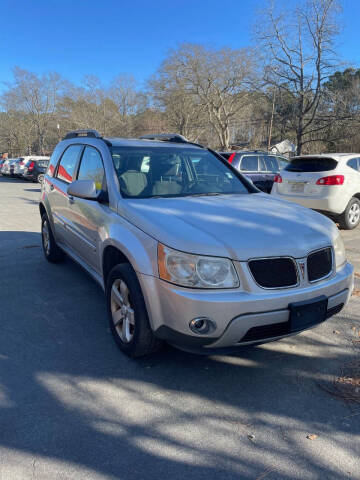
column 186, row 249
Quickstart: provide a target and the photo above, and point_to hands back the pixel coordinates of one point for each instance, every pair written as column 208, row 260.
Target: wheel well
column 357, row 195
column 111, row 257
column 42, row 209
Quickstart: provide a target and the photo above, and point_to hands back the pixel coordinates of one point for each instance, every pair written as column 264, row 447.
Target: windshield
column 173, row 172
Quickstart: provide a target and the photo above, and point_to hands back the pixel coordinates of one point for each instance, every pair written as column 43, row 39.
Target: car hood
column 234, row 226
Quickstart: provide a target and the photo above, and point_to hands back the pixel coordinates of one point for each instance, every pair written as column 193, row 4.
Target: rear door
column 56, row 188
column 300, row 176
column 268, row 167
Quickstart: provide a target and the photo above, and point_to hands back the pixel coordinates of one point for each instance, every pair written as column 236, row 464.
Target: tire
column 51, row 251
column 350, row 218
column 132, row 333
column 40, row 178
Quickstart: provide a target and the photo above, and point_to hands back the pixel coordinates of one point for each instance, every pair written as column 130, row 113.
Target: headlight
column 195, row 270
column 340, row 254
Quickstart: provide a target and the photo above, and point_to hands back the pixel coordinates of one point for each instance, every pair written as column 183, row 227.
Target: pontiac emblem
column 302, row 269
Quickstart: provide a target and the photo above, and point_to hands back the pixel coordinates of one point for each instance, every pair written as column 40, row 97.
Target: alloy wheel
column 354, row 214
column 46, row 237
column 122, row 313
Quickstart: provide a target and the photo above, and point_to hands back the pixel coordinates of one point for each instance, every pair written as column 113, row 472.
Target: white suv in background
column 328, row 183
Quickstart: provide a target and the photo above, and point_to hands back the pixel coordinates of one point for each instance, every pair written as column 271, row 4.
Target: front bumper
column 235, row 312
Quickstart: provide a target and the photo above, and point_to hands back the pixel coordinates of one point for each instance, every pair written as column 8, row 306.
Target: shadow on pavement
column 67, row 394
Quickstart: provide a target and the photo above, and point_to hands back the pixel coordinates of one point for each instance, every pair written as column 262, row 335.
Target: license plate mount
column 298, row 187
column 307, row 313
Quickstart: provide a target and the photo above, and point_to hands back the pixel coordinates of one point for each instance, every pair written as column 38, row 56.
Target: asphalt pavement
column 72, row 407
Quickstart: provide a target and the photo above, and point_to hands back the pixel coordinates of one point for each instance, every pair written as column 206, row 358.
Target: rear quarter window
column 53, row 160
column 311, row 164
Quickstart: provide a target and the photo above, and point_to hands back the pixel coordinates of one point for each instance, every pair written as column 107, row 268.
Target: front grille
column 319, row 264
column 334, row 310
column 266, row 331
column 274, row 272
column 279, row 329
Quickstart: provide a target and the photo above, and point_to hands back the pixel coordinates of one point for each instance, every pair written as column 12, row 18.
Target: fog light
column 202, row 325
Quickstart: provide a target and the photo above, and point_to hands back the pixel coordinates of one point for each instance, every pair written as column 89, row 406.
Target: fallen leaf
column 336, row 331
column 251, row 437
column 312, row 436
column 356, row 292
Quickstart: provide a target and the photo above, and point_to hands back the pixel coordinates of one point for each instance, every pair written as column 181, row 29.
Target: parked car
column 8, row 167
column 185, row 247
column 329, row 183
column 2, row 161
column 25, row 162
column 35, row 169
column 260, row 167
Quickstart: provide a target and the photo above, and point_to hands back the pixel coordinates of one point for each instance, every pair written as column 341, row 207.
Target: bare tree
column 299, row 44
column 37, row 98
column 216, row 81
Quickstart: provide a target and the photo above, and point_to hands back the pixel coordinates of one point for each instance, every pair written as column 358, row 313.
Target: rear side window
column 311, row 164
column 91, row 167
column 268, row 164
column 68, row 163
column 53, row 160
column 283, row 162
column 249, row 163
column 354, row 163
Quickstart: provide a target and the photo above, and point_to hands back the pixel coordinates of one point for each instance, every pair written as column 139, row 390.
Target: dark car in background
column 260, row 167
column 35, row 170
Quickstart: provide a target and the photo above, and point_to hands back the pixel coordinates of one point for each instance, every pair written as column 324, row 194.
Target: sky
column 108, row 37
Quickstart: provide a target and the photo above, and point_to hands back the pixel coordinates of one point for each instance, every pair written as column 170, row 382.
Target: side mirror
column 83, row 189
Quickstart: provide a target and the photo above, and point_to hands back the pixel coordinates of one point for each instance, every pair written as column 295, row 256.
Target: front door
column 87, row 217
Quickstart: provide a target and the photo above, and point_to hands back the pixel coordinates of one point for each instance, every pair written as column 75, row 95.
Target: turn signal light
column 331, row 180
column 278, row 178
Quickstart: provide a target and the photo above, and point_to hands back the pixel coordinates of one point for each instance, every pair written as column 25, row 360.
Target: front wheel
column 350, row 218
column 128, row 318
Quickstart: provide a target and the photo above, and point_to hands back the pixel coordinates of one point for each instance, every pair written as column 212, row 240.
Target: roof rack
column 165, row 137
column 82, row 133
column 169, row 137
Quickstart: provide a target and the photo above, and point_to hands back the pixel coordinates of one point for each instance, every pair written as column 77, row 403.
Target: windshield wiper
column 209, row 194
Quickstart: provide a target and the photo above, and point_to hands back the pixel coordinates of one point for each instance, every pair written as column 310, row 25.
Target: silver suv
column 186, row 249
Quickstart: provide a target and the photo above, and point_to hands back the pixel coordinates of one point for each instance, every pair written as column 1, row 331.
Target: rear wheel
column 128, row 318
column 350, row 218
column 40, row 178
column 51, row 251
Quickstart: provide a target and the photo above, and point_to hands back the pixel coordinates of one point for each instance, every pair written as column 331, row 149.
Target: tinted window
column 311, row 164
column 172, row 172
column 249, row 163
column 354, row 163
column 68, row 162
column 268, row 164
column 91, row 167
column 283, row 162
column 53, row 160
